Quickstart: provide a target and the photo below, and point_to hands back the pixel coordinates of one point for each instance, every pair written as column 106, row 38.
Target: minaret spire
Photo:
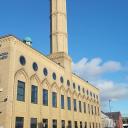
column 58, row 26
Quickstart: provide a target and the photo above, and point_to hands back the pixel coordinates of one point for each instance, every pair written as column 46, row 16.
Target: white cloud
column 112, row 90
column 93, row 70
column 95, row 67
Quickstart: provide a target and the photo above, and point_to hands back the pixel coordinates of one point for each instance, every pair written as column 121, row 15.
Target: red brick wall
column 120, row 123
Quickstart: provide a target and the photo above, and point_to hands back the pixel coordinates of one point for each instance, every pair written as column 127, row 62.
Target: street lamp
column 110, row 111
column 110, row 105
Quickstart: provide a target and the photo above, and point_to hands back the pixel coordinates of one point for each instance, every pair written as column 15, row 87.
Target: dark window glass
column 97, row 97
column 21, row 91
column 87, row 93
column 54, row 76
column 75, row 105
column 95, row 110
column 68, row 82
column 80, row 124
column 54, row 123
column 85, row 125
column 75, row 124
column 90, row 125
column 54, row 99
column 93, row 125
column 80, row 107
column 98, row 111
column 34, row 94
column 69, row 103
column 69, row 124
column 79, row 88
column 62, row 123
column 22, row 60
column 61, row 79
column 74, row 86
column 96, row 125
column 45, row 123
column 91, row 94
column 88, row 108
column 84, row 107
column 83, row 90
column 94, row 95
column 33, row 122
column 19, row 122
column 45, row 71
column 45, row 97
column 62, row 101
column 35, row 66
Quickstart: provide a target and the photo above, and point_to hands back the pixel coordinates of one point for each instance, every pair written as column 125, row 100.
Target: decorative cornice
column 58, row 33
column 8, row 39
column 58, row 13
column 59, row 55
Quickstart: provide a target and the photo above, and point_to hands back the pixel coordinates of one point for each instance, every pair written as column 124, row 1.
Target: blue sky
column 98, row 40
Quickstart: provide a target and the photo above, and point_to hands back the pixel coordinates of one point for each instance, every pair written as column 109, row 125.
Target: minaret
column 58, row 26
column 58, row 34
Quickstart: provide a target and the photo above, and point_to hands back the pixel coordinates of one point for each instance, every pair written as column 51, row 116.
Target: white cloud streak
column 94, row 69
column 112, row 90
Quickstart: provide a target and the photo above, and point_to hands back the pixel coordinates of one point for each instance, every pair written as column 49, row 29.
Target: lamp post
column 111, row 111
column 110, row 106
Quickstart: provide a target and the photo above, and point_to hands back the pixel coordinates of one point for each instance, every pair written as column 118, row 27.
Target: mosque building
column 38, row 91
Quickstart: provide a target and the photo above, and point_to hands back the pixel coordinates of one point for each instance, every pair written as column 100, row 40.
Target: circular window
column 45, row 71
column 61, row 79
column 74, row 86
column 54, row 75
column 68, row 82
column 22, row 60
column 35, row 66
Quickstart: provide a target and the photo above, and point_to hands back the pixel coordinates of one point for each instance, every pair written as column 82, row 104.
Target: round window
column 45, row 71
column 35, row 66
column 61, row 79
column 54, row 75
column 22, row 60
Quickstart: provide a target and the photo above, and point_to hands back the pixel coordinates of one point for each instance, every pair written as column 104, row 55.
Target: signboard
column 3, row 55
